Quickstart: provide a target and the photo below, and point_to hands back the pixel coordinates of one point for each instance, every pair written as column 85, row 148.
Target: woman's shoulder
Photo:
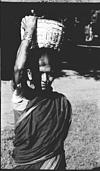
column 60, row 95
column 19, row 102
column 16, row 96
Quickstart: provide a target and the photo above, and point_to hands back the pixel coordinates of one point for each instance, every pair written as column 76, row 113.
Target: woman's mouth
column 44, row 85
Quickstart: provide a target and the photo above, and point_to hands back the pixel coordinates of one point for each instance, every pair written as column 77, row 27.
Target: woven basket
column 49, row 33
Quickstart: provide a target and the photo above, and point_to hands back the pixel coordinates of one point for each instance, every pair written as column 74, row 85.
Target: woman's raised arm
column 28, row 26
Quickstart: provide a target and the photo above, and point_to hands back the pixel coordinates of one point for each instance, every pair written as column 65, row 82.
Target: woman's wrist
column 26, row 42
column 27, row 36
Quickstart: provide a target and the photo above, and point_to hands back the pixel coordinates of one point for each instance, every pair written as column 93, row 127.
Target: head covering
column 49, row 33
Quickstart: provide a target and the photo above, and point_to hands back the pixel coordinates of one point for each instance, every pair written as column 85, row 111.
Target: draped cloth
column 41, row 127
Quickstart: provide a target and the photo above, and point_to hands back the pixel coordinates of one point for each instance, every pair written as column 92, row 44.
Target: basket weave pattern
column 49, row 33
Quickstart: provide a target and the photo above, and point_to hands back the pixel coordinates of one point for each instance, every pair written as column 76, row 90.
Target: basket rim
column 42, row 20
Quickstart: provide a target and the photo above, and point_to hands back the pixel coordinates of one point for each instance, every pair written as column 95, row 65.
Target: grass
column 7, row 137
column 82, row 147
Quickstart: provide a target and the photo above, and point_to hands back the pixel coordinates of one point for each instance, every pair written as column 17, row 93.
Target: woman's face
column 41, row 74
column 45, row 71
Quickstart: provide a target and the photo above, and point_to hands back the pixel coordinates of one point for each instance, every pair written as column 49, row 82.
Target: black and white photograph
column 50, row 84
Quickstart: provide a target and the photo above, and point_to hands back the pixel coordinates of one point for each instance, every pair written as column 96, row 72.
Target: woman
column 42, row 117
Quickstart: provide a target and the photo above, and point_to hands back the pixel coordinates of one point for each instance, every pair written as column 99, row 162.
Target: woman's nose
column 44, row 77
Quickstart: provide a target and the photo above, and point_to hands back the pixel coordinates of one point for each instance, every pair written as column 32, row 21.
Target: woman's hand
column 28, row 25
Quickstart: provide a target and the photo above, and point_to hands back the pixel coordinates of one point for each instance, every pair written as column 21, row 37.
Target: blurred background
column 81, row 50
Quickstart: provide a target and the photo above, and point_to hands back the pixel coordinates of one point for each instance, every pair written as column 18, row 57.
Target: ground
column 82, row 146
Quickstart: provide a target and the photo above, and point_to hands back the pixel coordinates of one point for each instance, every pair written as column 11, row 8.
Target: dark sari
column 40, row 133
